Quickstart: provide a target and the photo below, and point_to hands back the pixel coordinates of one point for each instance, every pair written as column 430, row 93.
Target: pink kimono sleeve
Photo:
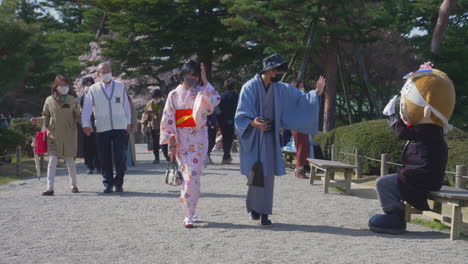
column 168, row 123
column 204, row 104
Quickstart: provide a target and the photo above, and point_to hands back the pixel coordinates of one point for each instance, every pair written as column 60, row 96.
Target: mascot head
column 428, row 96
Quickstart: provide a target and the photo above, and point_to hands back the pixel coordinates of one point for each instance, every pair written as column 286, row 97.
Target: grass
column 8, row 171
column 431, row 224
column 338, row 189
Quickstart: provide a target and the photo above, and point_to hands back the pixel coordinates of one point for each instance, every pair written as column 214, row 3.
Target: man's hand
column 390, row 107
column 129, row 128
column 321, row 85
column 258, row 123
column 87, row 131
column 426, row 66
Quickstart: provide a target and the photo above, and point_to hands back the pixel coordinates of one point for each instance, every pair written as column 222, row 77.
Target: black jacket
column 424, row 160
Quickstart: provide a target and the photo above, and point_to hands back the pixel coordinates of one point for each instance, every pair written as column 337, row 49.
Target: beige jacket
column 60, row 120
column 151, row 119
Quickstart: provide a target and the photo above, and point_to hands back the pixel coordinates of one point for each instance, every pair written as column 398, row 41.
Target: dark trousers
column 112, row 141
column 91, row 157
column 211, row 138
column 228, row 137
column 285, row 137
column 153, row 144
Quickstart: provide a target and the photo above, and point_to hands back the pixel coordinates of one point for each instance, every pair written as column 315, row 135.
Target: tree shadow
column 333, row 230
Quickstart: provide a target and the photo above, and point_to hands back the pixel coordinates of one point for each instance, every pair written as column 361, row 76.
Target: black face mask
column 277, row 78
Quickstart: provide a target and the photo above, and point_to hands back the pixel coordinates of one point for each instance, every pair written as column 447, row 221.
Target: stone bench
column 329, row 167
column 456, row 197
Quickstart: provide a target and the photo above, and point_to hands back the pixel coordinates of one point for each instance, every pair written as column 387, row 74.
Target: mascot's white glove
column 390, row 107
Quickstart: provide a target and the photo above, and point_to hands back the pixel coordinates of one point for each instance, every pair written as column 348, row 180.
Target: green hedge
column 375, row 137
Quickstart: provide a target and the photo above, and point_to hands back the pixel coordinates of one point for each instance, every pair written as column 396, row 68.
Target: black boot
column 254, row 215
column 392, row 222
column 265, row 221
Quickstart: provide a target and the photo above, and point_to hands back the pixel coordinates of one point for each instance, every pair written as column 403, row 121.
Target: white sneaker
column 188, row 223
column 195, row 218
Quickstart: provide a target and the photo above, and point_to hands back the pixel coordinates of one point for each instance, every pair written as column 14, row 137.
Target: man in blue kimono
column 265, row 106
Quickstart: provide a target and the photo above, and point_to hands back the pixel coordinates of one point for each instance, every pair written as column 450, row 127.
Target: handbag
column 173, row 174
column 256, row 175
column 41, row 140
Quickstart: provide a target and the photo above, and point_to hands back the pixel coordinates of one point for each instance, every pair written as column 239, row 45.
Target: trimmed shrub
column 24, row 127
column 9, row 139
column 375, row 137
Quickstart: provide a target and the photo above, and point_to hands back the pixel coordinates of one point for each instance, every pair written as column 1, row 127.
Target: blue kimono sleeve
column 300, row 111
column 246, row 109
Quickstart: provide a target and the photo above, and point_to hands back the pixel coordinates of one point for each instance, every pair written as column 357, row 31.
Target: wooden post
column 460, row 172
column 18, row 161
column 383, row 164
column 357, row 163
column 456, row 222
column 332, row 152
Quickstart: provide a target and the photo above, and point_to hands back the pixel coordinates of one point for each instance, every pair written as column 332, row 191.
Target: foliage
column 9, row 139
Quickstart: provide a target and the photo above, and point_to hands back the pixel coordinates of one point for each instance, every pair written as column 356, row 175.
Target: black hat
column 86, row 80
column 155, row 93
column 274, row 61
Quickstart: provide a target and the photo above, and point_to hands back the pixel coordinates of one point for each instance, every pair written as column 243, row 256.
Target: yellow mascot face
column 431, row 89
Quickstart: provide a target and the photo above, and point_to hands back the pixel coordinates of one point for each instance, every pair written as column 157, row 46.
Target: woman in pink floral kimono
column 183, row 127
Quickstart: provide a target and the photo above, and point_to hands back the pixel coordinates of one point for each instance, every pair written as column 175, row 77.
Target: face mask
column 191, row 82
column 277, row 78
column 157, row 101
column 107, row 77
column 63, row 89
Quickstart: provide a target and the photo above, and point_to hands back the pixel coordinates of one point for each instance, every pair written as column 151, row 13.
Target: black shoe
column 265, row 221
column 390, row 223
column 156, row 161
column 48, row 193
column 118, row 189
column 107, row 190
column 254, row 215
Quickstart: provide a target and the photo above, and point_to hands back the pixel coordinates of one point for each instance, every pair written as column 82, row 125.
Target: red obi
column 184, row 118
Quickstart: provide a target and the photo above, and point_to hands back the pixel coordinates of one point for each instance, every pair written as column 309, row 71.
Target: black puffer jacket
column 424, row 161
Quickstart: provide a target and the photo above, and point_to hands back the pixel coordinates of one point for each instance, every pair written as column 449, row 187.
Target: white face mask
column 157, row 101
column 107, row 77
column 63, row 89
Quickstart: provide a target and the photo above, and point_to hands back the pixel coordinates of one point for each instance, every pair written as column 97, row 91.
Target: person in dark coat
column 212, row 124
column 227, row 109
column 89, row 144
column 428, row 100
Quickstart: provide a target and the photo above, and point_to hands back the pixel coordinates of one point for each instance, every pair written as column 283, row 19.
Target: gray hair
column 104, row 65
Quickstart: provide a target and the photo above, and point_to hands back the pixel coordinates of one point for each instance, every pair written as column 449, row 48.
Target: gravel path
column 144, row 224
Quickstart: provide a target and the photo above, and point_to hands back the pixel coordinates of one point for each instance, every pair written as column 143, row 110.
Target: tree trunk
column 345, row 94
column 331, row 66
column 365, row 75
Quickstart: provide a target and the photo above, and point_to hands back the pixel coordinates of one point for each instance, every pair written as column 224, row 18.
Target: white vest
column 109, row 111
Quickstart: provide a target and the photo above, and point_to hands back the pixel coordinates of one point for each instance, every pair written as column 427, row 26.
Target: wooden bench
column 288, row 157
column 329, row 167
column 456, row 197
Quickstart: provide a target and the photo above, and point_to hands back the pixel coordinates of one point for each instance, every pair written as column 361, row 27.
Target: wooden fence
column 460, row 173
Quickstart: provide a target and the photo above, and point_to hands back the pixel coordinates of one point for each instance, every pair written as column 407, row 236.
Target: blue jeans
column 112, row 142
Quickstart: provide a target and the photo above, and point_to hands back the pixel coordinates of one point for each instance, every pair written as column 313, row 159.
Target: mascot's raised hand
column 390, row 107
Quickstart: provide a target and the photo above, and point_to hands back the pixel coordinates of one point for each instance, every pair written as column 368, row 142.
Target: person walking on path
column 109, row 101
column 302, row 145
column 227, row 107
column 212, row 124
column 151, row 120
column 265, row 106
column 90, row 152
column 60, row 115
column 183, row 127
